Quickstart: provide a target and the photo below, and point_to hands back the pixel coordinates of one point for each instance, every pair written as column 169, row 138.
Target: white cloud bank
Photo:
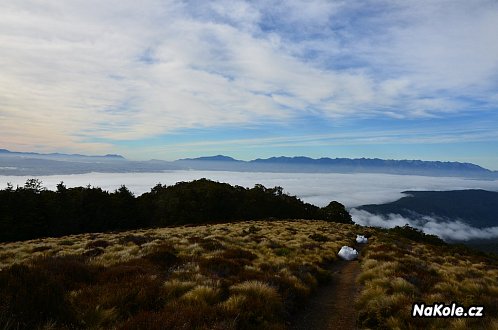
column 350, row 189
column 449, row 230
column 317, row 188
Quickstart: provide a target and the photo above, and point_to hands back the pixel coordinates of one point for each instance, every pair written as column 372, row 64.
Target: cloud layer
column 447, row 229
column 81, row 75
column 350, row 189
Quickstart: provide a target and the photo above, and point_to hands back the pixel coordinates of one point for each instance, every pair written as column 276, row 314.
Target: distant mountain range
column 338, row 165
column 30, row 163
column 60, row 156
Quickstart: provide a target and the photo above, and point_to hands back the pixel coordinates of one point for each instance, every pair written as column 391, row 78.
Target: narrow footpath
column 332, row 306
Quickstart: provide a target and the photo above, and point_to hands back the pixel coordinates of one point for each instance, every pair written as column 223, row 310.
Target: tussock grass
column 203, row 294
column 244, row 275
column 398, row 270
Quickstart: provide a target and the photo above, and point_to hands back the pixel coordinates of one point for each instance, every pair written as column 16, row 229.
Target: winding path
column 332, row 307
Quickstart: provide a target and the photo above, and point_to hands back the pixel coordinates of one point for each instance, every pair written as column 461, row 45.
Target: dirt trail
column 332, row 307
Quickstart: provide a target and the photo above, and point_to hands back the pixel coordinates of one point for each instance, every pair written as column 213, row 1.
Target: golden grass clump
column 396, row 272
column 203, row 294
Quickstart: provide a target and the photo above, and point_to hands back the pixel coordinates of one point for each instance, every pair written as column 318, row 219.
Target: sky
column 166, row 79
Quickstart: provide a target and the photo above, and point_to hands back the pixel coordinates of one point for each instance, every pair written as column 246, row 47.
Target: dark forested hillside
column 31, row 211
column 476, row 207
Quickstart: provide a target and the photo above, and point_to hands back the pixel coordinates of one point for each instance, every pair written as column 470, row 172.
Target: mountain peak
column 114, row 156
column 218, row 158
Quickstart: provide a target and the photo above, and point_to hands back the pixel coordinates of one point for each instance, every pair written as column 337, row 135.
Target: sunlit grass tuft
column 396, row 272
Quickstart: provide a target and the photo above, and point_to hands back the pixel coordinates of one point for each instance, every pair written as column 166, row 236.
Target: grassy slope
column 244, row 275
column 396, row 272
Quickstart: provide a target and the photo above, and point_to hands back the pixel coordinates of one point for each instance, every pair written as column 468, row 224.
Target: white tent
column 348, row 253
column 361, row 239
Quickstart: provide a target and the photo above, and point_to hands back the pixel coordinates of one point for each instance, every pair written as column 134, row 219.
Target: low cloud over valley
column 352, row 190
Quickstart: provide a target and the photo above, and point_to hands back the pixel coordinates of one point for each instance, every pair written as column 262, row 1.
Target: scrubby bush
column 135, row 239
column 164, row 256
column 260, row 304
column 416, row 235
column 336, row 212
column 31, row 298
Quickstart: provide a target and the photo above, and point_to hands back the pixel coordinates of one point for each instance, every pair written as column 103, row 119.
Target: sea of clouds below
column 317, row 188
column 447, row 229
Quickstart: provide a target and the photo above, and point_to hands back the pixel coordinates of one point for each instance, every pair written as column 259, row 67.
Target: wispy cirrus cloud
column 81, row 75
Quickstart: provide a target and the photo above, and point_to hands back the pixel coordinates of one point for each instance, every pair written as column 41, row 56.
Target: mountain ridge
column 32, row 163
column 57, row 154
column 339, row 165
column 217, row 158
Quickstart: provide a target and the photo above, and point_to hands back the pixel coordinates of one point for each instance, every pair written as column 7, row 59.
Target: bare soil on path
column 333, row 306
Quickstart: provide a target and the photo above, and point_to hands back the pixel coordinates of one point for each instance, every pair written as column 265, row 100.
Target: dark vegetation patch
column 419, row 273
column 72, row 271
column 319, row 237
column 41, row 248
column 416, row 235
column 32, row 298
column 235, row 253
column 221, row 267
column 230, row 263
column 31, row 211
column 207, row 244
column 251, row 230
column 126, row 298
column 97, row 244
column 164, row 256
column 93, row 252
column 135, row 239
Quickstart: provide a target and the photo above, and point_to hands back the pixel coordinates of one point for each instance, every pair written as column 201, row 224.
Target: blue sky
column 170, row 79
